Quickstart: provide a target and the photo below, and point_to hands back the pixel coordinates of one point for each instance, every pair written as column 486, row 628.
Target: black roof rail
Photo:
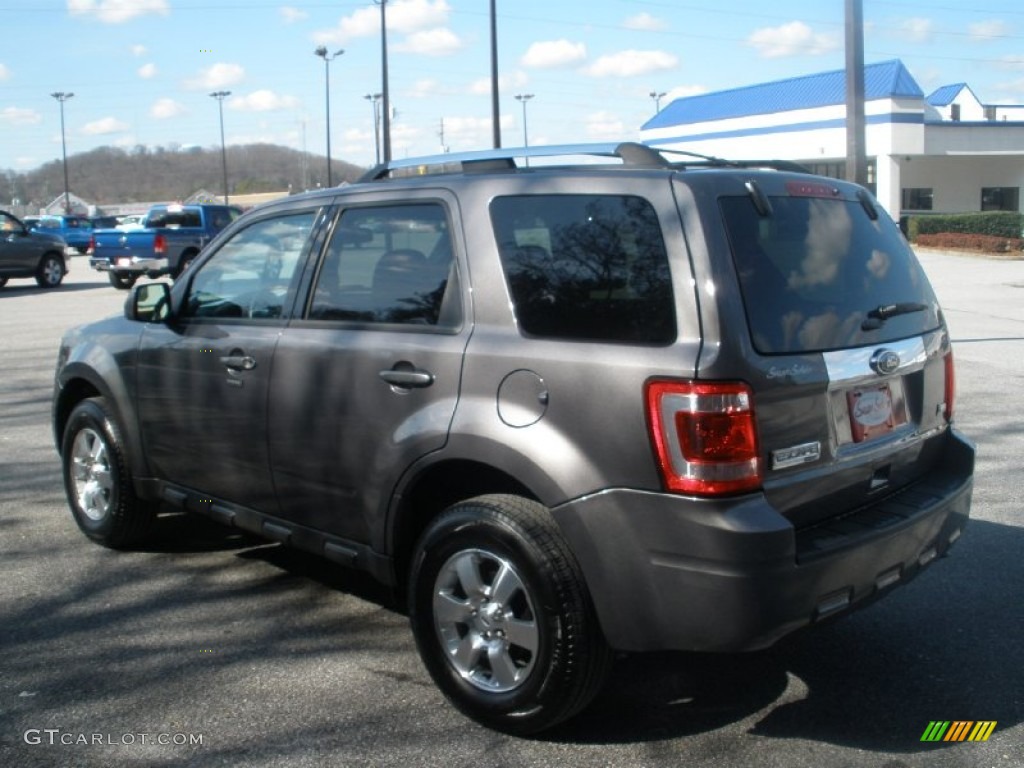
column 632, row 154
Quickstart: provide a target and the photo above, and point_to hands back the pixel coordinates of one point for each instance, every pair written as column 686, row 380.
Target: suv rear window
column 812, row 268
column 586, row 267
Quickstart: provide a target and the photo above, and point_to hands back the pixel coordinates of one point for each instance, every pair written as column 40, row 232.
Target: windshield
column 812, row 269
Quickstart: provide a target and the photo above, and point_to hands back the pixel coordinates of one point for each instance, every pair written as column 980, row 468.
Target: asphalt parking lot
column 213, row 648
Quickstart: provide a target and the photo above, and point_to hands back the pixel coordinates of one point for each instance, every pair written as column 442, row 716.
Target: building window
column 1000, row 198
column 954, row 113
column 916, row 199
column 990, row 113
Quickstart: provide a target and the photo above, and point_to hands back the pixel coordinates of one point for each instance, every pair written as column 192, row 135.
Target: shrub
column 1006, row 224
column 987, row 243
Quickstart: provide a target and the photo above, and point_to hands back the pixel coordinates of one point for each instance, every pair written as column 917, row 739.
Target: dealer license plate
column 871, row 412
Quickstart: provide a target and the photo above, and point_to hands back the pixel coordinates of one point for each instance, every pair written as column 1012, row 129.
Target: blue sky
column 142, row 70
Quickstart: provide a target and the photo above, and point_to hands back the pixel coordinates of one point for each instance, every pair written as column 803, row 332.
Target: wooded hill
column 112, row 175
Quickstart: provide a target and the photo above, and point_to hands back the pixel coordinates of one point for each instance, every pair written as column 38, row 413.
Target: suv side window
column 254, row 272
column 586, row 267
column 388, row 264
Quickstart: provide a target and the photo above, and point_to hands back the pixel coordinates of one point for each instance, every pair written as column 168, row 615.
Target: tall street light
column 220, row 96
column 374, row 98
column 657, row 100
column 61, row 97
column 523, row 98
column 495, row 116
column 321, row 51
column 386, row 103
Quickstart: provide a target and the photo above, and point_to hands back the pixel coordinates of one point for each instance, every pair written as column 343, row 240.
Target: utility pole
column 495, row 110
column 220, row 96
column 856, row 154
column 386, row 99
column 61, row 97
column 657, row 100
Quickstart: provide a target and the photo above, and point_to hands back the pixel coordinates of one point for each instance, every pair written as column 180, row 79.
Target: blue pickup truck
column 75, row 230
column 170, row 237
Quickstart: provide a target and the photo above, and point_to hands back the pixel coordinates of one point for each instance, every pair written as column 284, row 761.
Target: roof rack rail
column 631, row 154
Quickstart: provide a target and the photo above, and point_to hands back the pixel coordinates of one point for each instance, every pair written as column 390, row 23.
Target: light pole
column 523, row 98
column 657, row 100
column 321, row 51
column 385, row 95
column 61, row 97
column 495, row 116
column 220, row 96
column 373, row 98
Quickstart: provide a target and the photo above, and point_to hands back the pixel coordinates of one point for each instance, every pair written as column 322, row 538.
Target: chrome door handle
column 239, row 362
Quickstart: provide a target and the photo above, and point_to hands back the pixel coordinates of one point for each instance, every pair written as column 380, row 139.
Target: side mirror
column 149, row 303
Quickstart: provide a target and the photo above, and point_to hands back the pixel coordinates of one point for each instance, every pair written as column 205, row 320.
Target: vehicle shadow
column 946, row 647
column 13, row 289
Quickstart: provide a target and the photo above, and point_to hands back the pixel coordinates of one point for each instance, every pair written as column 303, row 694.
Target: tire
column 97, row 479
column 185, row 263
column 3, row 282
column 122, row 280
column 502, row 617
column 50, row 272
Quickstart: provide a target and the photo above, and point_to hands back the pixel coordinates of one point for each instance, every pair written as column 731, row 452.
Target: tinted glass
column 812, row 269
column 587, row 267
column 174, row 219
column 252, row 274
column 386, row 264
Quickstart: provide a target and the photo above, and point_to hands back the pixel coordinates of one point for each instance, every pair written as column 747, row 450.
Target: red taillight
column 92, row 245
column 705, row 436
column 950, row 386
column 159, row 244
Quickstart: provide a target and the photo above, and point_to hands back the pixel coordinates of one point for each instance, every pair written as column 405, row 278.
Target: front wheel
column 502, row 617
column 98, row 481
column 50, row 272
column 122, row 280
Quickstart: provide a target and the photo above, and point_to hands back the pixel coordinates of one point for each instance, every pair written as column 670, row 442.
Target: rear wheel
column 97, row 479
column 122, row 280
column 502, row 618
column 185, row 263
column 3, row 282
column 51, row 271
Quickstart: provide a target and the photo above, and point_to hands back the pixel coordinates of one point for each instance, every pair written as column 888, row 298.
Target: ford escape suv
column 650, row 402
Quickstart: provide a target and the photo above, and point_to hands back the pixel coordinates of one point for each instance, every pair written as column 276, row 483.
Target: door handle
column 407, row 377
column 239, row 362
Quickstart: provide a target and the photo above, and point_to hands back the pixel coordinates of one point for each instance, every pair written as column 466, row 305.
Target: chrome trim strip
column 846, row 366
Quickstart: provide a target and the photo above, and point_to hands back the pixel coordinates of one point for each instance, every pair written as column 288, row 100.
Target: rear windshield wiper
column 877, row 316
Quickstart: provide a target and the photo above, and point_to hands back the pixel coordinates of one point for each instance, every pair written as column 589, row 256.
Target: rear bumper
column 133, row 264
column 675, row 573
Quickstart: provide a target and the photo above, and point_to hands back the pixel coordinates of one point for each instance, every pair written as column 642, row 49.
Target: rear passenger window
column 388, row 264
column 586, row 267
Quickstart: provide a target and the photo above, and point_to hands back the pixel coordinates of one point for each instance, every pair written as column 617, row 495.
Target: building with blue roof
column 944, row 152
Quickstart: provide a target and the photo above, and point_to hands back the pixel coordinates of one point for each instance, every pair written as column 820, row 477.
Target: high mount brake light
column 705, row 436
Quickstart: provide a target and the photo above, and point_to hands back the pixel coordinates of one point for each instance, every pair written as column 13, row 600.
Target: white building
column 945, row 153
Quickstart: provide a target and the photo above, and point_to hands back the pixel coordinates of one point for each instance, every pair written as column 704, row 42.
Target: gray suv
column 652, row 402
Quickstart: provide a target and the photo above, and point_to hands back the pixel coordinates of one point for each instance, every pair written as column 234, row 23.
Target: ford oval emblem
column 884, row 362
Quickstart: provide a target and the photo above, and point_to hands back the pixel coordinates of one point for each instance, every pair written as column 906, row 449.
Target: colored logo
column 958, row 730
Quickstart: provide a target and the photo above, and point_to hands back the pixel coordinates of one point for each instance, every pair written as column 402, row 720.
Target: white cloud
column 426, row 88
column 604, row 126
column 291, row 14
column 792, row 39
column 482, row 86
column 220, row 75
column 139, row 50
column 985, row 31
column 105, row 126
column 632, row 63
column 439, row 41
column 19, row 116
column 645, row 21
column 917, row 30
column 1012, row 61
column 117, row 11
column 147, row 71
column 5, row 73
column 263, row 101
column 404, row 17
column 165, row 108
column 549, row 54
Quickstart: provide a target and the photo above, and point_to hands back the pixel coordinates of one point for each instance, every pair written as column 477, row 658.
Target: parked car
column 104, row 222
column 653, row 405
column 130, row 221
column 75, row 230
column 170, row 237
column 30, row 253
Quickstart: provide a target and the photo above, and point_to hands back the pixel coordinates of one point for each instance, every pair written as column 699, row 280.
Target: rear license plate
column 871, row 412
